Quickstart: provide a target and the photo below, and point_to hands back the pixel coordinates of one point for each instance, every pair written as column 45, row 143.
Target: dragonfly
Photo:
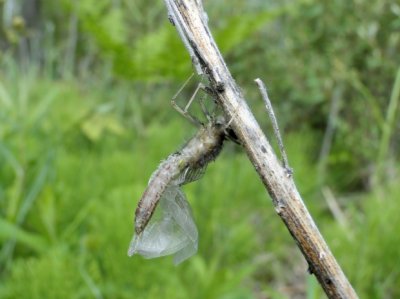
column 163, row 218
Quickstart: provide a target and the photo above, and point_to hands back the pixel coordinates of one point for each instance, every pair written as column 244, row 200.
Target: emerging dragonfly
column 173, row 230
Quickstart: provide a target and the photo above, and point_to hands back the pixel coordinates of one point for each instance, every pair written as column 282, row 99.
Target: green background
column 85, row 118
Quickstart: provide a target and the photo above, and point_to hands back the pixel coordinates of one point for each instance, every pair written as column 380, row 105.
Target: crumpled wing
column 170, row 231
column 190, row 175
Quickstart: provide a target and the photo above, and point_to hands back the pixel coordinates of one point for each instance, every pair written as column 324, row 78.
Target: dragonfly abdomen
column 180, row 168
column 159, row 181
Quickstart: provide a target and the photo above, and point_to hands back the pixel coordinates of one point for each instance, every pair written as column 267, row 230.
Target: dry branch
column 190, row 20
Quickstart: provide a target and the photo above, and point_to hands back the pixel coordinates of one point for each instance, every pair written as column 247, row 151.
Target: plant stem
column 387, row 129
column 188, row 18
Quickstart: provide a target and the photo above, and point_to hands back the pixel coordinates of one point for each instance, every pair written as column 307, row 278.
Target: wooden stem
column 190, row 20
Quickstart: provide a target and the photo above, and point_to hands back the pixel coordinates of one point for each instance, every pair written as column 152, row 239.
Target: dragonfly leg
column 184, row 112
column 182, row 87
column 275, row 126
column 203, row 106
column 194, row 120
column 199, row 87
column 232, row 116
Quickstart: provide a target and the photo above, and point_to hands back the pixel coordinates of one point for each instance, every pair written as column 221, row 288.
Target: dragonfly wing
column 157, row 240
column 179, row 208
column 190, row 175
column 170, row 231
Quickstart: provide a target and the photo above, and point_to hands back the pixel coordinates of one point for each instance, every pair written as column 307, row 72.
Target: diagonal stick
column 188, row 16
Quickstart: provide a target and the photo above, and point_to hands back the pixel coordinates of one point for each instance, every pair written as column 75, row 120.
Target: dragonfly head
column 220, row 121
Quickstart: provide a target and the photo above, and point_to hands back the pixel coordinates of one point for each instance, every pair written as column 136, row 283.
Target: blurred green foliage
column 85, row 119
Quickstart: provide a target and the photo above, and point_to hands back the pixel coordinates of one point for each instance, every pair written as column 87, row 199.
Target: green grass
column 73, row 164
column 368, row 245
